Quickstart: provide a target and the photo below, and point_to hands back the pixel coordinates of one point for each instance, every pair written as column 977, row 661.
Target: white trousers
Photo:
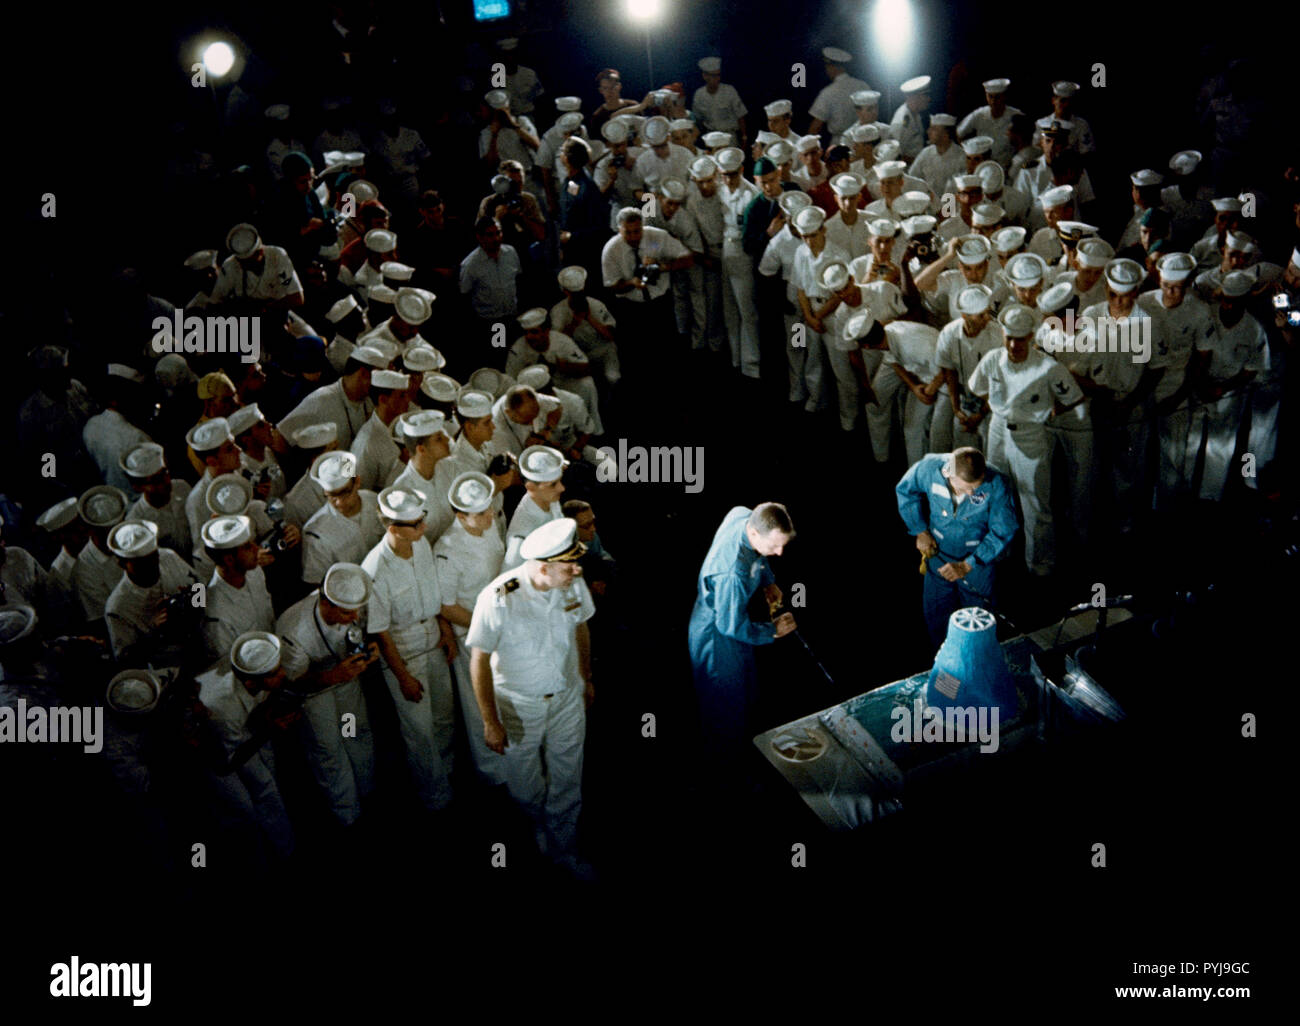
column 1026, row 455
column 689, row 307
column 344, row 767
column 1174, row 470
column 490, row 766
column 1220, row 421
column 250, row 796
column 427, row 726
column 1073, row 432
column 543, row 760
column 740, row 313
column 890, row 393
column 846, row 386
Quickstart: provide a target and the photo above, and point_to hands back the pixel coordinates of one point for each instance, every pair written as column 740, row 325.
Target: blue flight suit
column 722, row 638
column 977, row 531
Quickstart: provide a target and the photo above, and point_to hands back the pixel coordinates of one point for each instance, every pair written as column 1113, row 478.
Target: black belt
column 1011, row 427
column 551, row 695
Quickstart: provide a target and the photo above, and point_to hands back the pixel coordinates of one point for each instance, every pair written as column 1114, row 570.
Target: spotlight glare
column 891, row 22
column 644, row 11
column 218, row 58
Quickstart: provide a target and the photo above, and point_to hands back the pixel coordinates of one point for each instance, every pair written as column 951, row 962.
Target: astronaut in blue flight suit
column 722, row 634
column 963, row 516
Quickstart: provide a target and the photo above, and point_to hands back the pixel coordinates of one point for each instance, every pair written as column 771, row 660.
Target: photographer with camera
column 324, row 654
column 144, row 623
column 517, row 211
column 615, row 172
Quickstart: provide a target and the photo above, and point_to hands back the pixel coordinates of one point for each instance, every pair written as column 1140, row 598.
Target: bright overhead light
column 644, row 11
column 891, row 24
column 218, row 58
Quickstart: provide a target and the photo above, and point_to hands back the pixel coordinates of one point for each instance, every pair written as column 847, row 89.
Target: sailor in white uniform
column 150, row 576
column 379, row 460
column 542, row 469
column 346, row 526
column 236, row 599
column 992, row 120
column 430, row 470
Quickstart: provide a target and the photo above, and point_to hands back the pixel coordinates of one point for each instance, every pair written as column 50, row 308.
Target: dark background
column 984, row 896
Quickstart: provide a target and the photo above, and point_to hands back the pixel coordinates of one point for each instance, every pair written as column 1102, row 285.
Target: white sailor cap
column 556, row 541
column 996, row 85
column 255, row 654
column 471, row 492
column 865, row 98
column 341, row 309
column 710, row 65
column 412, row 306
column 1094, row 253
column 1239, row 242
column 778, row 108
column 974, row 299
column 807, row 143
column 122, row 370
column 992, row 175
column 424, row 423
column 209, row 435
column 396, row 271
column 780, row 152
column 1227, row 204
column 1176, row 267
column 919, row 224
column 882, row 227
column 347, row 586
column 792, row 201
column 860, row 268
column 224, row 533
column 964, row 182
column 1026, row 269
column 497, row 99
column 863, row 133
column 371, row 355
column 402, row 505
column 703, row 168
column 809, row 220
column 390, row 379
column 133, row 539
column 1073, row 231
column 1054, row 297
column 316, row 436
column 977, row 144
column 885, row 298
column 228, row 495
column 672, row 188
column 984, row 215
column 1145, row 178
column 58, row 516
column 656, row 130
column 473, row 403
column 834, row 55
column 569, row 121
column 1009, row 239
column 835, row 276
column 1265, row 273
column 1237, row 283
column 133, row 692
column 532, row 318
column 541, row 463
column 1184, row 162
column 277, row 112
column 143, row 460
column 943, row 120
column 423, row 358
column 886, row 151
column 911, row 203
column 362, row 191
column 440, row 387
column 572, row 278
column 716, row 140
column 681, row 125
column 536, row 377
column 380, row 240
column 614, row 131
column 331, row 252
column 858, row 325
column 243, row 240
column 890, row 169
column 334, row 471
column 846, row 184
column 201, row 259
column 1057, row 196
column 490, row 380
column 1065, row 89
column 1124, row 275
column 973, row 250
column 1017, row 320
column 566, row 104
column 244, row 418
column 920, row 84
column 729, row 159
column 172, row 370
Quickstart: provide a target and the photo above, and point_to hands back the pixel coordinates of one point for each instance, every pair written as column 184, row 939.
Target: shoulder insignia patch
column 509, row 586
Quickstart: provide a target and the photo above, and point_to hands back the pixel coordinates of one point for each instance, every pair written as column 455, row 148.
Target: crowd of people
column 344, row 443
